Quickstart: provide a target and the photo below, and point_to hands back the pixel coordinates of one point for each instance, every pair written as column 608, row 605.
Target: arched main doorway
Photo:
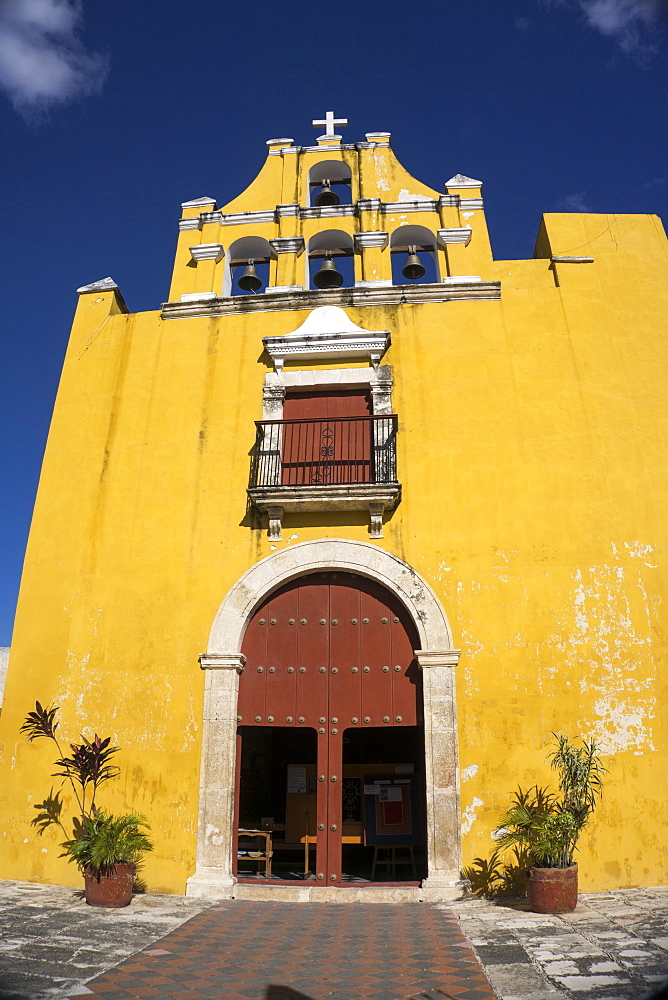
column 224, row 662
column 331, row 746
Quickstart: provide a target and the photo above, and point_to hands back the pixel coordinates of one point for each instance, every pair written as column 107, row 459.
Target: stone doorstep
column 330, row 894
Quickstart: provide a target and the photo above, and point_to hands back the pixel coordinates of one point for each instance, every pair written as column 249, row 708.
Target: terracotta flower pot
column 113, row 889
column 553, row 890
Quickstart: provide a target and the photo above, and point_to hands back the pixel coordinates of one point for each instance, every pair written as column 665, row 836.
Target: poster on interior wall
column 296, row 783
column 393, row 810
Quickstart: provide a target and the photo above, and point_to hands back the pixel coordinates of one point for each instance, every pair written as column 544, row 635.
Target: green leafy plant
column 545, row 827
column 99, row 839
column 86, row 769
column 103, row 841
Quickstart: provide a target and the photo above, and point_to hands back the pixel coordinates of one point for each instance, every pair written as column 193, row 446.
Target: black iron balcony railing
column 341, row 451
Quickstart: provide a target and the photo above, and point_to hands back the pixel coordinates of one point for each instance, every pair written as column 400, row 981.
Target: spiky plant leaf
column 105, row 840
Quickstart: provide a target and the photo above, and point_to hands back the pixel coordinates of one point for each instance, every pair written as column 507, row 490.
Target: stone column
column 454, row 241
column 376, row 265
column 287, row 249
column 444, row 880
column 207, row 256
column 213, row 878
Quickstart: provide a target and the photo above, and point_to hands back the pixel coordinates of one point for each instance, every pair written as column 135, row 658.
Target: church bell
column 328, row 276
column 249, row 280
column 413, row 267
column 326, row 196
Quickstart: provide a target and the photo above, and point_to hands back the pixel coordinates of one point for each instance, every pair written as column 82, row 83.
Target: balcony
column 335, row 464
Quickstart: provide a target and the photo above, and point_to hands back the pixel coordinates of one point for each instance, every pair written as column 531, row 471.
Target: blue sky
column 111, row 115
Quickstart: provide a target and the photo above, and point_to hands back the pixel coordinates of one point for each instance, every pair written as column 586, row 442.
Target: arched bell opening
column 247, row 266
column 414, row 256
column 329, row 184
column 330, row 260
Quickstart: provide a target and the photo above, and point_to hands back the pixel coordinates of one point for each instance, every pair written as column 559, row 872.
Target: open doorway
column 383, row 831
column 277, row 795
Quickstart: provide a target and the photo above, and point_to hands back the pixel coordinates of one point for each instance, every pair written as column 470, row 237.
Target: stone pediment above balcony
column 327, row 333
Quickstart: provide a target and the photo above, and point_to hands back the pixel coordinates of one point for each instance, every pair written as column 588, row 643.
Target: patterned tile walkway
column 283, row 951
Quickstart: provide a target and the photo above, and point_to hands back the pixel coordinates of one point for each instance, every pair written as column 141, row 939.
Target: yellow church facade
column 331, row 553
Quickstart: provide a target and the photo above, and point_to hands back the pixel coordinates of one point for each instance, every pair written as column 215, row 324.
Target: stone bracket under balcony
column 374, row 497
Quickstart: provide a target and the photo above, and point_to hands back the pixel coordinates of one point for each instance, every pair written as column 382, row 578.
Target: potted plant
column 547, row 827
column 106, row 848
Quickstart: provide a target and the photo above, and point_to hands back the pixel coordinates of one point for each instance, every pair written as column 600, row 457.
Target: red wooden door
column 330, row 651
column 326, row 438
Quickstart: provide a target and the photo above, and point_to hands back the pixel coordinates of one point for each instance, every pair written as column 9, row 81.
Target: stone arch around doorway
column 362, row 558
column 223, row 662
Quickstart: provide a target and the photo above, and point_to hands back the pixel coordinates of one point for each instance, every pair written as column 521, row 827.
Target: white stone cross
column 329, row 122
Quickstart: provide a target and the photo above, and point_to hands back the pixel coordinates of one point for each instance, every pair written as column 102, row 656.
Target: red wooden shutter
column 324, row 445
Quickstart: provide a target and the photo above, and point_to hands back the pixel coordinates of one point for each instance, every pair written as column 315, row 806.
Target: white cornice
column 288, row 244
column 324, row 148
column 369, row 205
column 198, row 203
column 237, row 218
column 572, row 260
column 460, row 234
column 428, row 205
column 327, row 331
column 266, row 216
column 330, row 497
column 429, row 658
column 463, row 289
column 327, row 212
column 462, row 181
column 285, row 211
column 208, row 251
column 366, row 241
column 448, row 201
column 280, row 142
column 374, row 283
column 103, row 285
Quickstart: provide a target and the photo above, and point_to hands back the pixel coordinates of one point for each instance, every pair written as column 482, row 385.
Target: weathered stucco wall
column 532, row 455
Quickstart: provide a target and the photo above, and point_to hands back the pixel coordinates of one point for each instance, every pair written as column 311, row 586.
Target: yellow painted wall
column 533, row 460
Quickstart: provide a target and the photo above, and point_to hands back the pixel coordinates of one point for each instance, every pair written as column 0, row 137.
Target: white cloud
column 575, row 202
column 42, row 60
column 629, row 22
column 633, row 24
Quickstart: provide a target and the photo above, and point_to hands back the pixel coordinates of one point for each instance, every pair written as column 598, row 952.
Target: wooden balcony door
column 330, row 652
column 325, row 445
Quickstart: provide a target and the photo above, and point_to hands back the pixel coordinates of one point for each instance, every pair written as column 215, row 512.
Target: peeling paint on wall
column 405, row 195
column 469, row 817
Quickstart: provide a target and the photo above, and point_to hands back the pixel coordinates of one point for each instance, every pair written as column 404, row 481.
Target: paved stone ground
column 51, row 942
column 614, row 947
